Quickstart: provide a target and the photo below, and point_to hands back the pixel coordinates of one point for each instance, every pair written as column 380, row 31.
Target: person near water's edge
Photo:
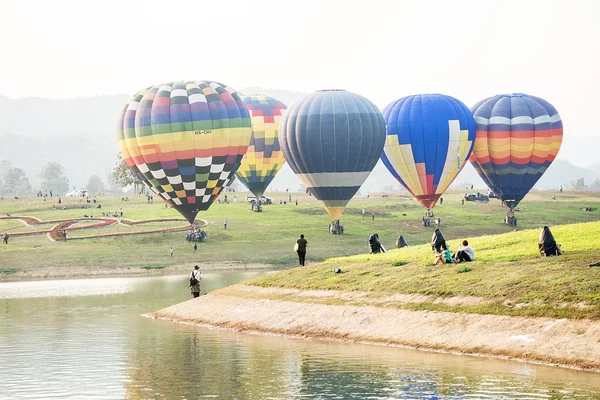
column 302, row 243
column 197, row 275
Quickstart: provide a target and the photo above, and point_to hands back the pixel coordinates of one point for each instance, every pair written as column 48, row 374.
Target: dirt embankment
column 89, row 271
column 568, row 343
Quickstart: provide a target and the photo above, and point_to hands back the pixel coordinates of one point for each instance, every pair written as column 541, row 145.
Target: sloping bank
column 509, row 302
column 564, row 342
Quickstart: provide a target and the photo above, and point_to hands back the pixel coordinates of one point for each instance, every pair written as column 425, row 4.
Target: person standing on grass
column 363, row 212
column 373, row 216
column 225, row 224
column 195, row 278
column 5, row 238
column 195, row 248
column 302, row 244
column 171, row 251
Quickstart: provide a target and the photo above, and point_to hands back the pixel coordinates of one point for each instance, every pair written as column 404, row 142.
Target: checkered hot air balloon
column 186, row 139
column 429, row 140
column 518, row 137
column 264, row 157
column 332, row 139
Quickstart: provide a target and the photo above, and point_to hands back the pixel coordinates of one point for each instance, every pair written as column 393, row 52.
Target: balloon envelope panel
column 264, row 157
column 126, row 133
column 429, row 140
column 518, row 137
column 188, row 140
column 332, row 140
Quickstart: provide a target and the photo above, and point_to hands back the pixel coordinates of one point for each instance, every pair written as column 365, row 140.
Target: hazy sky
column 382, row 50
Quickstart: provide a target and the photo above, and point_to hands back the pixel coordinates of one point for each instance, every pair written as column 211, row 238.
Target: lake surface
column 86, row 338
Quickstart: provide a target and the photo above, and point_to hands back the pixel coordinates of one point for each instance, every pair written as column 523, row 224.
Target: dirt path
column 569, row 343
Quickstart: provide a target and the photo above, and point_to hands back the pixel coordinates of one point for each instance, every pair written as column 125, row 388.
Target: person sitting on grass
column 465, row 253
column 547, row 244
column 444, row 257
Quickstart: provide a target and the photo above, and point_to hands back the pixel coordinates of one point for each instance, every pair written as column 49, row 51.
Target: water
column 86, row 338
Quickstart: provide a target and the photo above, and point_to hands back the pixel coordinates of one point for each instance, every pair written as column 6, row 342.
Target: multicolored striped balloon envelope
column 332, row 139
column 518, row 137
column 186, row 139
column 126, row 129
column 264, row 158
column 429, row 140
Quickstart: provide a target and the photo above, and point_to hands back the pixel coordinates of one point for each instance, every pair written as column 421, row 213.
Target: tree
column 52, row 177
column 579, row 184
column 16, row 182
column 595, row 185
column 4, row 167
column 123, row 175
column 95, row 185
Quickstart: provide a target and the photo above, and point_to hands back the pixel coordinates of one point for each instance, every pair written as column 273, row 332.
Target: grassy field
column 268, row 237
column 508, row 277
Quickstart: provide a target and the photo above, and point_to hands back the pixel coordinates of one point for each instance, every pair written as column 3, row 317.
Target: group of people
column 511, row 220
column 335, row 228
column 196, row 235
column 465, row 253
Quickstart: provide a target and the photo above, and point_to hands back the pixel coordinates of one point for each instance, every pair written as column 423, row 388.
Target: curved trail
column 57, row 232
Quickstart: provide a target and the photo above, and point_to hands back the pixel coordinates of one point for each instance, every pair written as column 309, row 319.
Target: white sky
column 380, row 49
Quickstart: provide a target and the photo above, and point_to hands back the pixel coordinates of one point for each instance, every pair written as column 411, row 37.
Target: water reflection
column 86, row 338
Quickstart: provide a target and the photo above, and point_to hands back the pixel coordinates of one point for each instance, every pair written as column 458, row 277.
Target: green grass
column 7, row 270
column 268, row 237
column 508, row 275
column 151, row 267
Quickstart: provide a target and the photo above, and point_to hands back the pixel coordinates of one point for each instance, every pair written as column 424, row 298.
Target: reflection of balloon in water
column 429, row 140
column 188, row 140
column 332, row 140
column 264, row 157
column 518, row 137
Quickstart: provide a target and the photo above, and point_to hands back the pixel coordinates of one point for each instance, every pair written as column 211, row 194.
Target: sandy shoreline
column 89, row 272
column 559, row 342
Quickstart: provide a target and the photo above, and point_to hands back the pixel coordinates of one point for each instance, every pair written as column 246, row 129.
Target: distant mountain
column 37, row 117
column 80, row 155
column 581, row 151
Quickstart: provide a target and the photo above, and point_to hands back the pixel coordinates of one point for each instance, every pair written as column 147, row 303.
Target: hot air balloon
column 518, row 137
column 429, row 140
column 188, row 140
column 126, row 132
column 332, row 139
column 264, row 157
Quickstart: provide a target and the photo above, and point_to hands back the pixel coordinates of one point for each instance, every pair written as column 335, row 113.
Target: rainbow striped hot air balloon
column 332, row 139
column 126, row 132
column 518, row 137
column 429, row 140
column 264, row 157
column 187, row 141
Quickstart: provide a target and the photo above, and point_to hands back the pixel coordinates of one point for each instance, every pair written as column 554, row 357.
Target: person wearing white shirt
column 465, row 253
column 195, row 278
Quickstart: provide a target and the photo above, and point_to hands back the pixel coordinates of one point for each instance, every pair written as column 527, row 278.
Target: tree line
column 52, row 177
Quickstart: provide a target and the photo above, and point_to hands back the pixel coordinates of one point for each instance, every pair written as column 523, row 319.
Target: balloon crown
column 513, row 95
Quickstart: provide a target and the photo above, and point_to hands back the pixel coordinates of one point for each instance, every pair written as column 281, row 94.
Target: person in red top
column 302, row 244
